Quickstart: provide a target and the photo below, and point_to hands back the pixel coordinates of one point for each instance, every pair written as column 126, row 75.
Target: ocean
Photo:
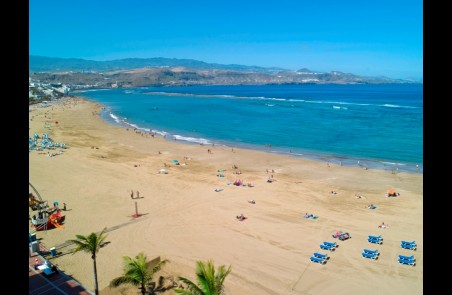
column 372, row 126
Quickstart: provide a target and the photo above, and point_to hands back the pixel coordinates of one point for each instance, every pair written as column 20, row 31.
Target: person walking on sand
column 138, row 194
column 131, row 194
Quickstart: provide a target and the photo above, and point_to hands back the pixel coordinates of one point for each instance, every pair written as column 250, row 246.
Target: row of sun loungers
column 330, row 246
column 373, row 254
column 402, row 259
column 319, row 258
column 322, row 258
column 367, row 253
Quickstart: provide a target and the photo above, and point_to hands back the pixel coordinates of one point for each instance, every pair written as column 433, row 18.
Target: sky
column 369, row 38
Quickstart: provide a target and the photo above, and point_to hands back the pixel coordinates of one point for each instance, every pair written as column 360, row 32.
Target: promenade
column 55, row 284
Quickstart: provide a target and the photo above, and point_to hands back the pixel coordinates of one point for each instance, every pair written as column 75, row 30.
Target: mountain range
column 159, row 71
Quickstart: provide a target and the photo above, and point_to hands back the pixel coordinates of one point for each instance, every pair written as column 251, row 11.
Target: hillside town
column 40, row 91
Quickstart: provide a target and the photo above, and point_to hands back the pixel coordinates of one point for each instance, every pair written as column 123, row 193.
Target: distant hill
column 54, row 64
column 159, row 71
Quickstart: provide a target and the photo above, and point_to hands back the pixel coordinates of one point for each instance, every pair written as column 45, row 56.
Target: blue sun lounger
column 411, row 243
column 372, row 252
column 407, row 257
column 326, row 247
column 318, row 260
column 408, row 246
column 369, row 255
column 375, row 237
column 407, row 261
column 332, row 244
column 374, row 241
column 321, row 256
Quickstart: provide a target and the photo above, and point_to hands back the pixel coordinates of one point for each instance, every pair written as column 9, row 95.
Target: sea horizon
column 368, row 126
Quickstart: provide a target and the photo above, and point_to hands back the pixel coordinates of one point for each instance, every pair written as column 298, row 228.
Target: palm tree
column 209, row 283
column 91, row 244
column 137, row 271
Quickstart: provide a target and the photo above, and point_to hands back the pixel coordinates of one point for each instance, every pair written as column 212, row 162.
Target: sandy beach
column 184, row 219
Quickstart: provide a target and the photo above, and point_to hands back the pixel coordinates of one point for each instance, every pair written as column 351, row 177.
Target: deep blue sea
column 374, row 126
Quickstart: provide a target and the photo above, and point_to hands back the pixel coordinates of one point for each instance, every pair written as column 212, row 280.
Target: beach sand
column 184, row 219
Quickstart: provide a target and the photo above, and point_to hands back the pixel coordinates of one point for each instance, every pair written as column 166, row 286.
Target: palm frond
column 116, row 282
column 90, row 243
column 159, row 265
column 221, row 275
column 183, row 291
column 209, row 283
column 192, row 287
column 137, row 271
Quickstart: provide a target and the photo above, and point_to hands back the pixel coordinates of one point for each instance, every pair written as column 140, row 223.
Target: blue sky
column 368, row 38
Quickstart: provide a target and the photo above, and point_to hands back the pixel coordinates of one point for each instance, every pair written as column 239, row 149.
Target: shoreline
column 326, row 158
column 185, row 219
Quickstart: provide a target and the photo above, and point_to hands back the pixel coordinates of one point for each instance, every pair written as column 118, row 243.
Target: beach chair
column 407, row 257
column 373, row 252
column 332, row 244
column 406, row 261
column 325, row 247
column 321, row 256
column 318, row 260
column 408, row 243
column 375, row 241
column 369, row 255
column 375, row 237
column 408, row 246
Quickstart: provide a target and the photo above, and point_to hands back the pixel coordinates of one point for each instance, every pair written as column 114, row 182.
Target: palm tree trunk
column 96, row 287
column 143, row 289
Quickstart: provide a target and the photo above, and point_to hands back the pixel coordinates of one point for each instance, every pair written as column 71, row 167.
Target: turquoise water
column 375, row 126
